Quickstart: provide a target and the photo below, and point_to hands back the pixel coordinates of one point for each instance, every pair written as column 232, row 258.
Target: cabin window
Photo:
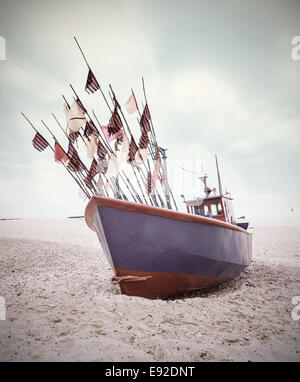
column 213, row 208
column 205, row 210
column 198, row 210
column 220, row 209
column 216, row 209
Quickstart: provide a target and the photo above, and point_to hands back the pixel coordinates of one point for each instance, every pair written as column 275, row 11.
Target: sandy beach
column 61, row 305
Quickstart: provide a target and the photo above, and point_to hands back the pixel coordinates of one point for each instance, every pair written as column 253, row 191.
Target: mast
column 166, row 183
column 219, row 178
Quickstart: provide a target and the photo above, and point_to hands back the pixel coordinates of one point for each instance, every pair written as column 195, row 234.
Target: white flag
column 123, row 153
column 130, row 105
column 75, row 118
column 113, row 166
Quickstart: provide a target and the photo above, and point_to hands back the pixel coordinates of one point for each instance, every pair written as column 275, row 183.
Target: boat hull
column 176, row 252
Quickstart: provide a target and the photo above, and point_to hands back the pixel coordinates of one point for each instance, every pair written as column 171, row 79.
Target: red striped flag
column 132, row 150
column 91, row 83
column 115, row 123
column 157, row 158
column 149, row 183
column 39, row 142
column 81, row 105
column 90, row 128
column 144, row 140
column 73, row 136
column 91, row 174
column 101, row 151
column 75, row 163
column 145, row 119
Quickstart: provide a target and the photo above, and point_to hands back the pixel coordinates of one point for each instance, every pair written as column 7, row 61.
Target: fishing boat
column 154, row 250
column 158, row 253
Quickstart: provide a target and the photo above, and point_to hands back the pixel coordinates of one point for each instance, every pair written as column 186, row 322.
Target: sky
column 220, row 79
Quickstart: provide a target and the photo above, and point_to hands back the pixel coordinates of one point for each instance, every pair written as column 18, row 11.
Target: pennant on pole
column 91, row 147
column 140, row 157
column 155, row 176
column 39, row 142
column 124, row 151
column 90, row 128
column 75, row 118
column 157, row 159
column 109, row 137
column 149, row 183
column 145, row 120
column 59, row 154
column 131, row 105
column 144, row 140
column 91, row 174
column 113, row 166
column 91, row 85
column 133, row 148
column 75, row 163
column 81, row 105
column 73, row 136
column 101, row 151
column 115, row 123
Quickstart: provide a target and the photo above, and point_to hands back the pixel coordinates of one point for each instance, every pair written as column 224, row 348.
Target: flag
column 145, row 119
column 100, row 186
column 102, row 165
column 113, row 166
column 91, row 83
column 155, row 176
column 140, row 158
column 91, row 174
column 59, row 154
column 115, row 122
column 131, row 105
column 157, row 158
column 75, row 118
column 149, row 183
column 144, row 140
column 39, row 142
column 91, row 146
column 109, row 137
column 75, row 163
column 73, row 136
column 101, row 151
column 132, row 150
column 90, row 128
column 124, row 151
column 81, row 105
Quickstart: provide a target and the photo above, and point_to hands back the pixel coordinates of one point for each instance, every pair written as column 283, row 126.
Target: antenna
column 219, row 178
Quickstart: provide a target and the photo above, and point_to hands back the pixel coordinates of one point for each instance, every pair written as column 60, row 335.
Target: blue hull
column 139, row 242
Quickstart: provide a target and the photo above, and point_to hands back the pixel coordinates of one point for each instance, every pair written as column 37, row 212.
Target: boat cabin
column 216, row 207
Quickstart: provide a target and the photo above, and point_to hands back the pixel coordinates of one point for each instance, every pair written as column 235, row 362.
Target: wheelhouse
column 216, row 207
